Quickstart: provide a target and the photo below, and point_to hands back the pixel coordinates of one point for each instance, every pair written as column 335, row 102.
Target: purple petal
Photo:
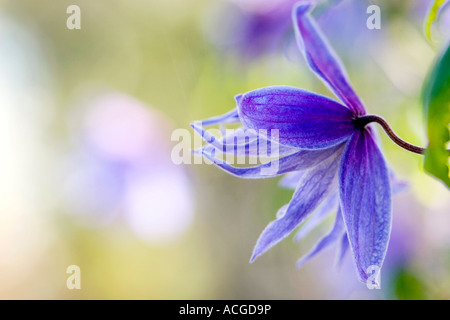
column 303, row 119
column 343, row 248
column 241, row 142
column 300, row 160
column 322, row 212
column 398, row 185
column 282, row 211
column 290, row 180
column 322, row 59
column 365, row 193
column 229, row 117
column 334, row 234
column 242, row 135
column 313, row 188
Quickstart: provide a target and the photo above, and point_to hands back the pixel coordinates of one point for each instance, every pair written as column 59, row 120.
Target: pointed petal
column 314, row 186
column 229, row 117
column 322, row 59
column 233, row 136
column 290, row 180
column 282, row 211
column 300, row 160
column 322, row 212
column 334, row 234
column 242, row 142
column 343, row 248
column 365, row 193
column 303, row 119
column 398, row 185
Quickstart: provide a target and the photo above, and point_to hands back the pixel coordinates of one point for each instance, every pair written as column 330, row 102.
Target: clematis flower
column 252, row 28
column 258, row 26
column 326, row 152
column 122, row 171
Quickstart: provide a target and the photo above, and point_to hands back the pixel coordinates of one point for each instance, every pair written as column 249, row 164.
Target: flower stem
column 362, row 121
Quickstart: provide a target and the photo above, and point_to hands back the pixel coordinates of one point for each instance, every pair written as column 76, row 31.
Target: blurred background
column 86, row 176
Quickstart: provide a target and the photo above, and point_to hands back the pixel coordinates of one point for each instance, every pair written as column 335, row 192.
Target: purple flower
column 122, row 171
column 257, row 26
column 326, row 150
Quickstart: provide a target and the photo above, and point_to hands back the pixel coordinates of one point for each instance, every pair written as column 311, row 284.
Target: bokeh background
column 86, row 176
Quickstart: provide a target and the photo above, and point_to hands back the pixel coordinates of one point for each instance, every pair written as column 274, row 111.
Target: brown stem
column 362, row 121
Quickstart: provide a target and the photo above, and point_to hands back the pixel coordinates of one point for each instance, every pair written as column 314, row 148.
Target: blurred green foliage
column 437, row 109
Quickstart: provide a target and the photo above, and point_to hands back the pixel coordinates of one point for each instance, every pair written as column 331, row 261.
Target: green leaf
column 408, row 286
column 436, row 102
column 432, row 15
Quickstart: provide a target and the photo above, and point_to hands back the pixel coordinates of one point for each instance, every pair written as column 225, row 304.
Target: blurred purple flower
column 250, row 27
column 124, row 171
column 326, row 149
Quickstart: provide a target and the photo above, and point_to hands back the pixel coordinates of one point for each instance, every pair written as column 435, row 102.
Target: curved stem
column 362, row 121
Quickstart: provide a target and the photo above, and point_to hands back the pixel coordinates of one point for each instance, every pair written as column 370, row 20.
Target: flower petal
column 313, row 188
column 229, row 117
column 290, row 180
column 398, row 185
column 334, row 234
column 343, row 248
column 322, row 212
column 322, row 59
column 300, row 160
column 303, row 119
column 242, row 142
column 282, row 211
column 365, row 193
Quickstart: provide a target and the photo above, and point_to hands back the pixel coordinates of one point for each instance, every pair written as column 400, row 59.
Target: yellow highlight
column 431, row 17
